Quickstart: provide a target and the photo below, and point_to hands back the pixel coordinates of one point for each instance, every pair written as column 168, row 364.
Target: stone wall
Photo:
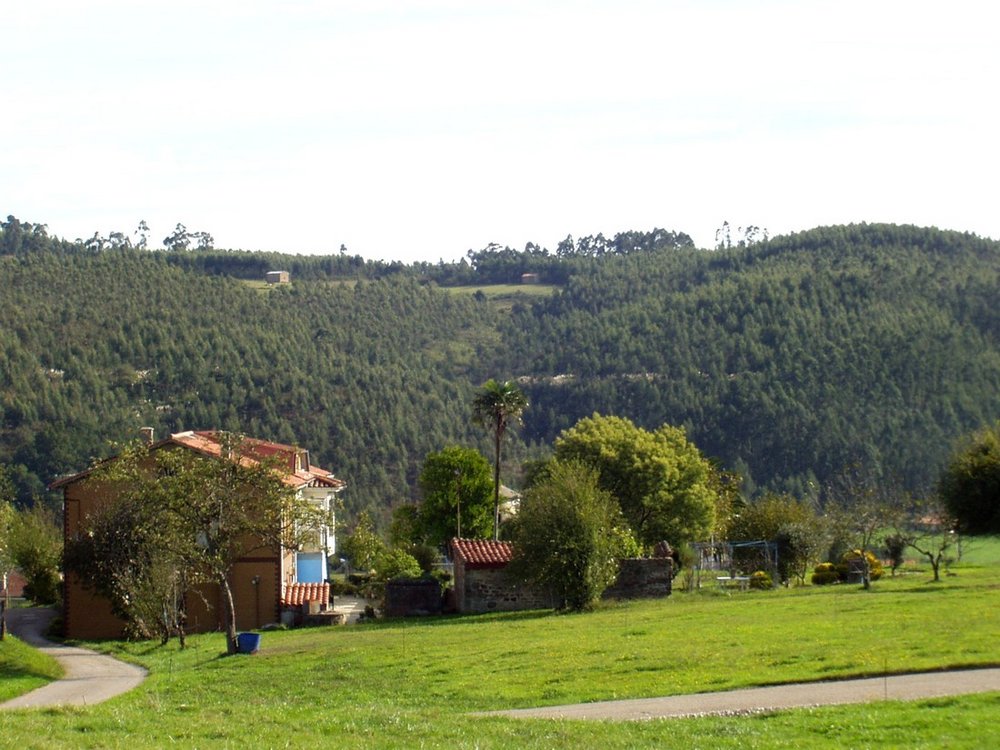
column 642, row 577
column 410, row 598
column 492, row 590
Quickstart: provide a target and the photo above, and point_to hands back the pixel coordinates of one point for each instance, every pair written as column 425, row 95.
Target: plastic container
column 248, row 643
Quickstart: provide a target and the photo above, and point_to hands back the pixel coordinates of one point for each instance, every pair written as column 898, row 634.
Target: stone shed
column 482, row 583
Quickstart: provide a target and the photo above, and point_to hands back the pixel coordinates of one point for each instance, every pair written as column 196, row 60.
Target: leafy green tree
column 457, row 495
column 496, row 407
column 660, row 479
column 569, row 536
column 363, row 546
column 123, row 557
column 34, row 546
column 970, row 484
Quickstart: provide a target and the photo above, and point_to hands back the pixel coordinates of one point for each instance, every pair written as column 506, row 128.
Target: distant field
column 506, row 290
column 412, row 683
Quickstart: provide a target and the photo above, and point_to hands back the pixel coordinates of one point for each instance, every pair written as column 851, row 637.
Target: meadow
column 413, row 683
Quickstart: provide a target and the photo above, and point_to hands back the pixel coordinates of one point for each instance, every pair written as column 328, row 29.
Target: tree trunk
column 229, row 610
column 496, row 489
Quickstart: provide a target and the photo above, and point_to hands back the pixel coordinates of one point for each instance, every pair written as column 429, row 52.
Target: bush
column 761, row 580
column 425, row 555
column 825, row 574
column 851, row 567
column 397, row 563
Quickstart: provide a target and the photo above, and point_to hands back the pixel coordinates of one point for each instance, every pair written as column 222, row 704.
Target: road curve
column 89, row 677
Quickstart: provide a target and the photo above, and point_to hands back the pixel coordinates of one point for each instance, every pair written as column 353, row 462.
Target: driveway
column 753, row 700
column 89, row 677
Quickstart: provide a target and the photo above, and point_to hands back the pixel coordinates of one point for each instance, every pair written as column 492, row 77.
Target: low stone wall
column 410, row 598
column 641, row 578
column 493, row 590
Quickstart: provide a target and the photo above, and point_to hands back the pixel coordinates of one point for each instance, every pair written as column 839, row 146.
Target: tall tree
column 970, row 484
column 569, row 536
column 497, row 406
column 662, row 482
column 456, row 486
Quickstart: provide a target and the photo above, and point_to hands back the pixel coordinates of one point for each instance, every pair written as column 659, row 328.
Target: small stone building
column 276, row 277
column 482, row 583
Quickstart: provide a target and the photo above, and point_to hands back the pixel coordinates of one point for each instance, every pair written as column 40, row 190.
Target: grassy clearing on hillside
column 411, row 683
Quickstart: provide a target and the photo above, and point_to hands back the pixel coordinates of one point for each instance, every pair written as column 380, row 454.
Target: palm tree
column 496, row 406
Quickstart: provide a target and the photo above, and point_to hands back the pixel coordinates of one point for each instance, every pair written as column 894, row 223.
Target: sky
column 422, row 130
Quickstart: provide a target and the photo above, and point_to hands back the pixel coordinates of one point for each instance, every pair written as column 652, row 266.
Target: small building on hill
column 277, row 277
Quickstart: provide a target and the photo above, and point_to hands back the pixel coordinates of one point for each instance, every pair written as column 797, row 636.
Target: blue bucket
column 248, row 643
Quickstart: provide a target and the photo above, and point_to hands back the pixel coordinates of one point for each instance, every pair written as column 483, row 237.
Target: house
column 276, row 277
column 12, row 584
column 259, row 580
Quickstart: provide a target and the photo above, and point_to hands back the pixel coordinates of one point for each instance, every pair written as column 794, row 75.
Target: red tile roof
column 297, row 594
column 481, row 553
column 299, row 473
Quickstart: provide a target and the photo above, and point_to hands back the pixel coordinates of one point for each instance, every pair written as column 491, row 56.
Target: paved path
column 89, row 677
column 753, row 700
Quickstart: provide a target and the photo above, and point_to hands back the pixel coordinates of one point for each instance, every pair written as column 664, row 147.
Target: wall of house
column 492, row 590
column 88, row 616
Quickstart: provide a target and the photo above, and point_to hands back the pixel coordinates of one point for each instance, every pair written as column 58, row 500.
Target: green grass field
column 412, row 683
column 23, row 669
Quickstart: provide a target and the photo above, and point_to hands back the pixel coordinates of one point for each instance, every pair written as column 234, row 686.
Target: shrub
column 825, row 574
column 397, row 563
column 850, row 566
column 761, row 579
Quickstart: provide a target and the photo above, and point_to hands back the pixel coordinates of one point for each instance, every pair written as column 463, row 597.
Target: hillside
column 788, row 360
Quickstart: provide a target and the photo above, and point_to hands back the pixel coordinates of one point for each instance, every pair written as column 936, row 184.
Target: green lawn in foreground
column 412, row 683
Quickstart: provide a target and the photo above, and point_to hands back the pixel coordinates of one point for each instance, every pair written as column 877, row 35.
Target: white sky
column 420, row 130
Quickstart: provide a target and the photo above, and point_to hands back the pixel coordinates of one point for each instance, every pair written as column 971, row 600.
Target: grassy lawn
column 411, row 683
column 23, row 668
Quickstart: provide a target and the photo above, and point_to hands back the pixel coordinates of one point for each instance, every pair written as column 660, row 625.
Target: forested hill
column 788, row 360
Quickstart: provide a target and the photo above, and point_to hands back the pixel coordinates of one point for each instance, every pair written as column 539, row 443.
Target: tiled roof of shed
column 482, row 552
column 297, row 594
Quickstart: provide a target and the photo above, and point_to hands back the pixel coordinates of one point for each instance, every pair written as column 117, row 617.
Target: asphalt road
column 755, row 700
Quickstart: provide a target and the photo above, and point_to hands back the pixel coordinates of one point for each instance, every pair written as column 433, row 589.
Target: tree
column 800, row 535
column 497, row 406
column 363, row 546
column 123, row 558
column 34, row 546
column 209, row 512
column 969, row 486
column 932, row 534
column 660, row 479
column 861, row 510
column 569, row 535
column 456, row 487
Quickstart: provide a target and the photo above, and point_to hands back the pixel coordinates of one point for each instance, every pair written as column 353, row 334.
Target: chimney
column 147, row 435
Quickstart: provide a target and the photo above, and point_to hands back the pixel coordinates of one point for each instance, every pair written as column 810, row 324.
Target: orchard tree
column 661, row 481
column 862, row 509
column 496, row 407
column 457, row 495
column 123, row 557
column 569, row 535
column 970, row 484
